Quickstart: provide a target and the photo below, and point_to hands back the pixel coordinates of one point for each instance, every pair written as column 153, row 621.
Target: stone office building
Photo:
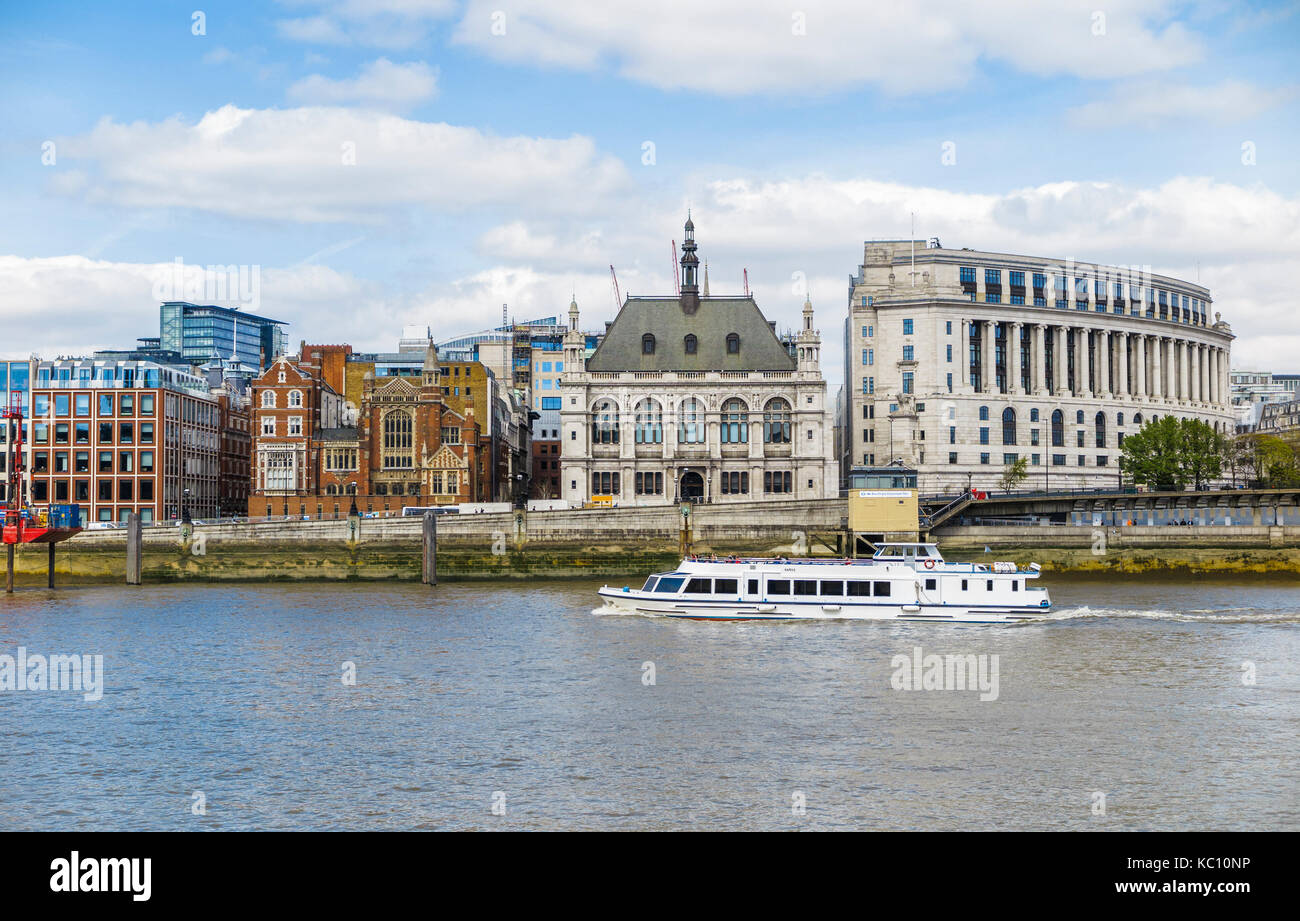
column 960, row 362
column 694, row 397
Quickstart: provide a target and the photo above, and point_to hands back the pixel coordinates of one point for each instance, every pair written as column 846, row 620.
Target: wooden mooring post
column 429, row 575
column 9, row 568
column 49, row 566
column 134, row 548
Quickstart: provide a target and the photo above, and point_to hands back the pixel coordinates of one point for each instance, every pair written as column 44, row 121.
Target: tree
column 1014, row 474
column 1150, row 455
column 1271, row 460
column 1172, row 453
column 1203, row 449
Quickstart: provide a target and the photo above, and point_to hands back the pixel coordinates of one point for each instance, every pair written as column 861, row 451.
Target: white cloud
column 378, row 23
column 101, row 304
column 381, row 84
column 291, row 165
column 1239, row 240
column 1152, row 103
column 736, row 47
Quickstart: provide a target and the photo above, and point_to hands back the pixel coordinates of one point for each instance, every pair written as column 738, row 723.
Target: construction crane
column 746, row 275
column 618, row 298
column 677, row 278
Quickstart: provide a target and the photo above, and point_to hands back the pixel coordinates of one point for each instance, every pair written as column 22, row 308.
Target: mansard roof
column 711, row 324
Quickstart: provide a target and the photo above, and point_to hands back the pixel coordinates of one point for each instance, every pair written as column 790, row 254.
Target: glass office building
column 202, row 333
column 15, row 377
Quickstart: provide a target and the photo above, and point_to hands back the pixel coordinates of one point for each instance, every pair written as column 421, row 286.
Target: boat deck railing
column 940, row 564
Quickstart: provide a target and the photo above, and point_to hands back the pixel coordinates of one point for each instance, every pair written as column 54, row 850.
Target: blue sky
column 500, row 153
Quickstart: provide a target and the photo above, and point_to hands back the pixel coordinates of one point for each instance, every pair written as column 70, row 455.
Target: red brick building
column 407, row 446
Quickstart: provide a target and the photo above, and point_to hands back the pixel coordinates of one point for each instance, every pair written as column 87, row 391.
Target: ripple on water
column 1132, row 686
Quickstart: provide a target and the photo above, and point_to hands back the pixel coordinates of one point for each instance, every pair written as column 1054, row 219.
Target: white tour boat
column 899, row 582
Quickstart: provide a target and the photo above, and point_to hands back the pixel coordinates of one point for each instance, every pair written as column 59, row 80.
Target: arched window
column 735, row 422
column 690, row 423
column 733, row 344
column 1100, row 424
column 649, row 423
column 647, row 344
column 1137, row 419
column 268, row 399
column 1058, row 429
column 984, row 414
column 1119, row 420
column 1008, row 426
column 692, row 344
column 776, row 422
column 295, row 398
column 604, row 423
column 398, row 452
column 1078, row 417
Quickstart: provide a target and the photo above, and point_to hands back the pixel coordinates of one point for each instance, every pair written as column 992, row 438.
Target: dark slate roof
column 338, row 434
column 760, row 350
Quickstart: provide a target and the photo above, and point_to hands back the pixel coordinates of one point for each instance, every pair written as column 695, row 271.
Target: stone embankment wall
column 1222, row 548
column 625, row 543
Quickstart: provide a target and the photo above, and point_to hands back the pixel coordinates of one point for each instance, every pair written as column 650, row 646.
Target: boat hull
column 631, row 601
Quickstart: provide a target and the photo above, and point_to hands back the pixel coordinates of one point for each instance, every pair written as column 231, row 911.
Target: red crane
column 13, row 416
column 21, row 524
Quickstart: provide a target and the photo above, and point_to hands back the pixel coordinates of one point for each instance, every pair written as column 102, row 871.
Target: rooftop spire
column 690, row 296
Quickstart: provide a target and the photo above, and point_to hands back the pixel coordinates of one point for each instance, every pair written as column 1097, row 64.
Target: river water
column 1145, row 703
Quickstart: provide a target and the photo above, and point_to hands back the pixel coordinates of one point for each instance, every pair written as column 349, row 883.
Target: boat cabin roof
column 905, row 551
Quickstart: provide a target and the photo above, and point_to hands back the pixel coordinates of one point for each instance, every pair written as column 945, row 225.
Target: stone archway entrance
column 691, row 487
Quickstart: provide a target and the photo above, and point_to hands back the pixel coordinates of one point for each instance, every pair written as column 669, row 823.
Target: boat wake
column 1204, row 616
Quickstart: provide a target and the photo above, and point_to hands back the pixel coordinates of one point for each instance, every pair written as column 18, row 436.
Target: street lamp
column 185, row 506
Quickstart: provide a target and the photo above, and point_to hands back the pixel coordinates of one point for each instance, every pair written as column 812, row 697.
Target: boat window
column 832, row 588
column 805, row 586
column 650, row 584
column 859, row 589
column 882, row 589
column 700, row 586
column 753, row 586
column 931, row 584
column 725, row 587
column 963, row 585
column 990, row 585
column 669, row 584
column 778, row 586
column 1015, row 585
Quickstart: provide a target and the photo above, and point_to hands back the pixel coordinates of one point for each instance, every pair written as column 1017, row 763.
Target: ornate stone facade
column 694, row 397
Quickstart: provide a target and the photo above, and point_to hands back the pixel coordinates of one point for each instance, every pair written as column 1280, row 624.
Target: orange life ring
column 929, row 564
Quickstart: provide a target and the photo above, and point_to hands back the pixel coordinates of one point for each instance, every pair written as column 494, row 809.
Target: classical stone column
column 1140, row 365
column 1103, row 363
column 1184, row 378
column 1157, row 383
column 1059, row 365
column 988, row 346
column 1205, row 373
column 1211, row 375
column 1080, row 361
column 1039, row 359
column 1121, row 385
column 1171, row 370
column 1013, row 358
column 1218, row 381
column 1194, row 370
